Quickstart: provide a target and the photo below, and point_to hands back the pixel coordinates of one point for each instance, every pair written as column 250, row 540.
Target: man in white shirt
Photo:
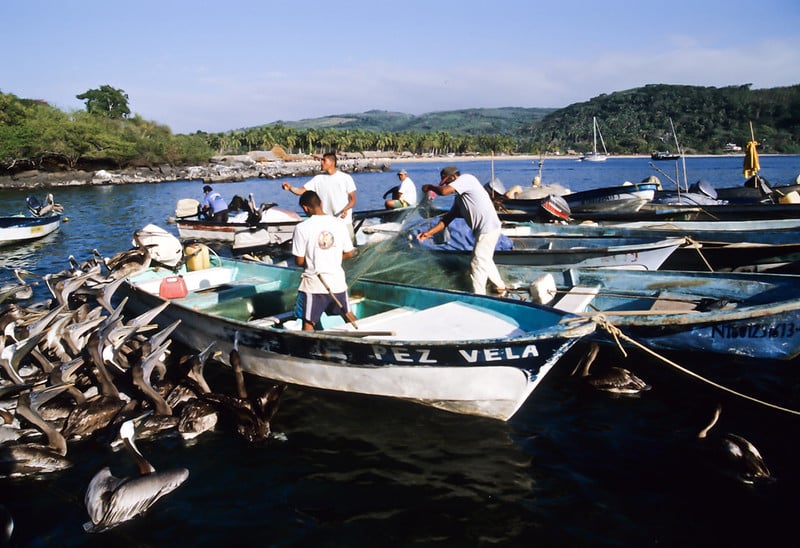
column 335, row 188
column 474, row 204
column 319, row 244
column 406, row 194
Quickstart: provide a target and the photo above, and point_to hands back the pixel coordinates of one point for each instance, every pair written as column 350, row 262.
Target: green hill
column 635, row 121
column 472, row 121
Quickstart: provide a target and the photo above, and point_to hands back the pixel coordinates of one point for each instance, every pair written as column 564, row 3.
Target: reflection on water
column 27, row 255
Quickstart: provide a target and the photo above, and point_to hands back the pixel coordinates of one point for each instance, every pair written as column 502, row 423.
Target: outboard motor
column 705, row 188
column 34, row 205
column 555, row 207
column 495, row 187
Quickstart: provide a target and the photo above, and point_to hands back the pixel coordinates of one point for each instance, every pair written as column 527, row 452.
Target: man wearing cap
column 214, row 207
column 475, row 206
column 336, row 189
column 406, row 194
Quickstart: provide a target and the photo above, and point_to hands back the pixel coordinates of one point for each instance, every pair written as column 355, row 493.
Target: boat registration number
column 781, row 330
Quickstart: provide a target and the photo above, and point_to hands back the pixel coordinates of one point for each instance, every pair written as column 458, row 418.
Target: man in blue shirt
column 214, row 207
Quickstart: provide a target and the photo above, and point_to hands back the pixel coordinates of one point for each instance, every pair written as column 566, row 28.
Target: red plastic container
column 172, row 287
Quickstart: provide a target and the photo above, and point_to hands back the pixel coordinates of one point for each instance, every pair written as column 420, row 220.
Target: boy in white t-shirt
column 319, row 244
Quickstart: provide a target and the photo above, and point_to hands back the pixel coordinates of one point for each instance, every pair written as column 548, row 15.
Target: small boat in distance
column 595, row 156
column 44, row 219
column 257, row 227
column 665, row 155
column 464, row 353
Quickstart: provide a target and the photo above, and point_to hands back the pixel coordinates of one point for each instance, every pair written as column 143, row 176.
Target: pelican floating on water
column 747, row 463
column 110, row 500
column 32, row 458
column 616, row 380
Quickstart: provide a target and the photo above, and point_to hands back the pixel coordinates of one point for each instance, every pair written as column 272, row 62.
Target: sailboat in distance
column 595, row 156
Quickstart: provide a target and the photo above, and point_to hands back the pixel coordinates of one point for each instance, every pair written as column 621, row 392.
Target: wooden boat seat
column 195, row 280
column 577, row 299
column 470, row 321
column 370, row 322
column 672, row 302
column 275, row 319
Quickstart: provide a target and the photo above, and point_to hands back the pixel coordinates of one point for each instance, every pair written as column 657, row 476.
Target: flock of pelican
column 73, row 367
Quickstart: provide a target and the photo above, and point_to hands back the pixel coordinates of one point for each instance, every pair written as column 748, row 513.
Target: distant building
column 731, row 147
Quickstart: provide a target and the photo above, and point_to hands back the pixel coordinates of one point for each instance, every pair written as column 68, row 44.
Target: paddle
column 349, row 316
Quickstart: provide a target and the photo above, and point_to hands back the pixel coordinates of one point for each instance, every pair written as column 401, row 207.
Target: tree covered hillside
column 637, row 121
column 35, row 135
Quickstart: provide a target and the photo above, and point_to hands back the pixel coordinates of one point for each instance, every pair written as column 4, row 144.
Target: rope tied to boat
column 696, row 246
column 603, row 323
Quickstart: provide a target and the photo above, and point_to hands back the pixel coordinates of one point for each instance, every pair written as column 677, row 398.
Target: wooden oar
column 359, row 334
column 349, row 316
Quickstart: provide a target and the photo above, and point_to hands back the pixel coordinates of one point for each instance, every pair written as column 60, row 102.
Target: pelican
column 126, row 263
column 193, row 384
column 111, row 501
column 616, row 380
column 33, row 458
column 12, row 355
column 19, row 291
column 252, row 416
column 747, row 463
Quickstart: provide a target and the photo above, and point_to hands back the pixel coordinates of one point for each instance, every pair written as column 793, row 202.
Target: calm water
column 573, row 468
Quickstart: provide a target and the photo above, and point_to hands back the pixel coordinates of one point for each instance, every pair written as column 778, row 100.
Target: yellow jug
column 197, row 257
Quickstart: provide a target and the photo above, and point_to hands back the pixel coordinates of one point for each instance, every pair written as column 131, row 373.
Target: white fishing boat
column 43, row 220
column 263, row 226
column 460, row 352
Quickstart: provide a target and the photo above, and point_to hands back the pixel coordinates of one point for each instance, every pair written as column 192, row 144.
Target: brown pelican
column 111, row 500
column 11, row 355
column 746, row 462
column 49, row 206
column 142, row 372
column 251, row 416
column 193, row 382
column 127, row 263
column 62, row 287
column 616, row 380
column 17, row 291
column 33, row 458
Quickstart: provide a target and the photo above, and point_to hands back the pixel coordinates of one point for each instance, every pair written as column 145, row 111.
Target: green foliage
column 106, row 101
column 637, row 121
column 35, row 135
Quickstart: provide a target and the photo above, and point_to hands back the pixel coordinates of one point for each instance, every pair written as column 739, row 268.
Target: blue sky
column 216, row 66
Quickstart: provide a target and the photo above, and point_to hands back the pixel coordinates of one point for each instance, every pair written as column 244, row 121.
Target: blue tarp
column 458, row 237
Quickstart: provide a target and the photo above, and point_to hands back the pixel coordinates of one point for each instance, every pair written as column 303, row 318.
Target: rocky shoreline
column 224, row 169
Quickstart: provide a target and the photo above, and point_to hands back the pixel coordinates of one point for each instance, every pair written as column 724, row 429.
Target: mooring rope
column 697, row 247
column 617, row 334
